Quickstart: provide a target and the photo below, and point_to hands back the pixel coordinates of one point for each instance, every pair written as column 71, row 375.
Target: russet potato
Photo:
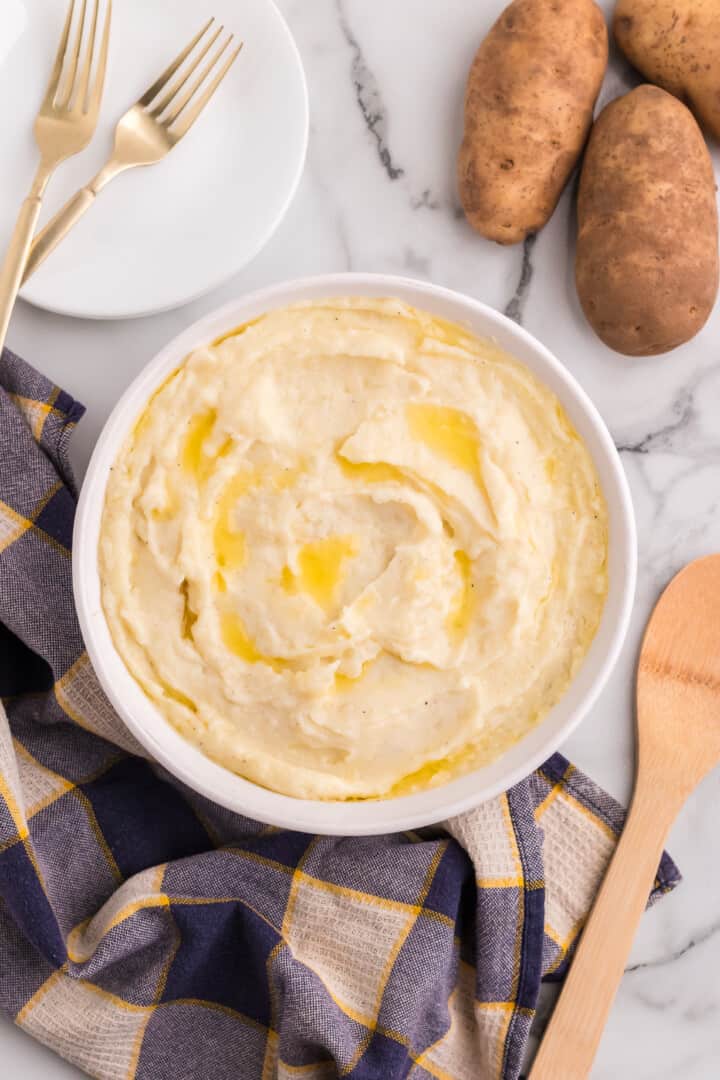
column 647, row 250
column 677, row 46
column 528, row 109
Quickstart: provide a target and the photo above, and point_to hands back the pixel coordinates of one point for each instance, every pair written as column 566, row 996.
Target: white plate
column 161, row 236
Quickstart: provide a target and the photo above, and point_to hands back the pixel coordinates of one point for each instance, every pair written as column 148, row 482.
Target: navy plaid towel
column 146, row 932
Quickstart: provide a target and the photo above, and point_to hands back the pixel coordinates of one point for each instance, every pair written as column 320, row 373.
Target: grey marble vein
column 416, row 264
column 663, row 961
column 369, row 98
column 515, row 307
column 426, row 201
column 683, row 409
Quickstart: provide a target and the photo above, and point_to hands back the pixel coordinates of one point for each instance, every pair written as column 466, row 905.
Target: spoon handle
column 573, row 1035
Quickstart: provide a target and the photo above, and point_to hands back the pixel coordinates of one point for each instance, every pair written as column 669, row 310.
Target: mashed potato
column 352, row 551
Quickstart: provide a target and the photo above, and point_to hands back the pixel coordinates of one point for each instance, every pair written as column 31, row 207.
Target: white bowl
column 425, row 807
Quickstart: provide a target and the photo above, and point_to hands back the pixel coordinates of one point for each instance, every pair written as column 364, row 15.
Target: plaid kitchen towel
column 146, row 932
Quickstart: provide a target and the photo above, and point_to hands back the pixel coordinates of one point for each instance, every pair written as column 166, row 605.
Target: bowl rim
column 366, row 817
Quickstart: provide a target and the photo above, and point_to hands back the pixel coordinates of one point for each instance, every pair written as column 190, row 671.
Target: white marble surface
column 386, row 85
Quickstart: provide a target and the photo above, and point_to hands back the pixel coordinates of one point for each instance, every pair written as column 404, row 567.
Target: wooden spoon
column 678, row 715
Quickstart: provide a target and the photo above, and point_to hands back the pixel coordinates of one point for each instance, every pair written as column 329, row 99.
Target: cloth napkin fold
column 146, row 932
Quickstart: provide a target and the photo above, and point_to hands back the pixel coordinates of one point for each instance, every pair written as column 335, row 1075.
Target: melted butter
column 320, row 568
column 449, row 433
column 175, row 695
column 189, row 617
column 343, row 683
column 425, row 776
column 564, row 423
column 461, row 608
column 195, row 461
column 287, row 580
column 450, row 333
column 376, row 472
column 237, row 331
column 229, row 542
column 171, row 507
column 239, row 642
column 282, row 479
column 230, row 548
column 143, row 421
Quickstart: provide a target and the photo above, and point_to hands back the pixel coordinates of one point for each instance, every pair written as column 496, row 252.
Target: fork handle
column 12, row 269
column 57, row 229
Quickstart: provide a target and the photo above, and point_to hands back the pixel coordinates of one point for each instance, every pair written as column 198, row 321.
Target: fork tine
column 95, row 96
column 150, row 95
column 87, row 61
column 189, row 94
column 180, row 82
column 192, row 114
column 53, row 84
column 66, row 96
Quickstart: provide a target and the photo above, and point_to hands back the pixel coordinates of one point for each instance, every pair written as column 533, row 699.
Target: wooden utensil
column 678, row 714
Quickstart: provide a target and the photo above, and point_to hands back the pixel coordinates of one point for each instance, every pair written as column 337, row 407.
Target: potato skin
column 677, row 46
column 647, row 252
column 528, row 109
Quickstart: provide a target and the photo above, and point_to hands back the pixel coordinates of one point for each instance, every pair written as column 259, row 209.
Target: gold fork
column 147, row 132
column 64, row 126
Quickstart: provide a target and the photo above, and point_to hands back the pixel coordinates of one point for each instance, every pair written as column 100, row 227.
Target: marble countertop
column 386, row 86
